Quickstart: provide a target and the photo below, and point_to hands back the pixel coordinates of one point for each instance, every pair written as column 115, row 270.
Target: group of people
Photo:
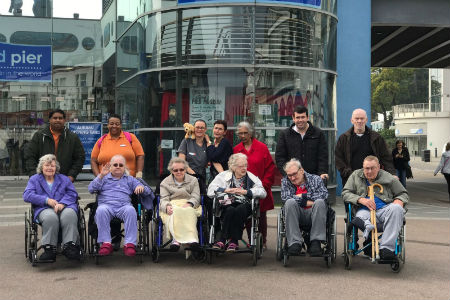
column 245, row 171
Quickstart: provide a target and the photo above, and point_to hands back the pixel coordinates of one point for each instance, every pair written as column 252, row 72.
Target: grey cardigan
column 188, row 190
column 356, row 187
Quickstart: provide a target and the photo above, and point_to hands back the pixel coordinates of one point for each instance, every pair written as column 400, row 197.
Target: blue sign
column 88, row 133
column 25, row 63
column 311, row 3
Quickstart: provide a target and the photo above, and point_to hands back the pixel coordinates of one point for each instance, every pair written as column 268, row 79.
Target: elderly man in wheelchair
column 115, row 186
column 304, row 196
column 388, row 201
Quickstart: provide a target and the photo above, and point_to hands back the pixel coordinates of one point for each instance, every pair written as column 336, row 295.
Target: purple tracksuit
column 114, row 201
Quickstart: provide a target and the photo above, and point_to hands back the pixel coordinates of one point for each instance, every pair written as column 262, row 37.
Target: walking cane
column 373, row 220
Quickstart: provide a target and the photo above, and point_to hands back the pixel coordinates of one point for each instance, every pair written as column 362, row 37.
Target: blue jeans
column 402, row 176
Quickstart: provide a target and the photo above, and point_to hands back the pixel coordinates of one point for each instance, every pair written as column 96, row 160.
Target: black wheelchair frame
column 158, row 243
column 351, row 247
column 32, row 236
column 255, row 246
column 143, row 238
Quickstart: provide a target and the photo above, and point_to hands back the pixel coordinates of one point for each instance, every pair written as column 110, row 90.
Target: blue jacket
column 37, row 192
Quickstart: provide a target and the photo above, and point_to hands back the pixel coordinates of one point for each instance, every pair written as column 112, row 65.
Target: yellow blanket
column 182, row 224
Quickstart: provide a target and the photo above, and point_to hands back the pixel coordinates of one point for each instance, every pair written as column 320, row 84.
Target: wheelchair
column 143, row 224
column 160, row 245
column 330, row 245
column 351, row 248
column 255, row 244
column 32, row 237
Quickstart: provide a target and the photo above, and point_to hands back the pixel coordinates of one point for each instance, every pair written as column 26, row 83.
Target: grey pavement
column 425, row 275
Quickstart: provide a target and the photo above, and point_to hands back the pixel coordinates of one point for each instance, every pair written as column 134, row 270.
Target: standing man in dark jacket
column 357, row 143
column 58, row 140
column 304, row 142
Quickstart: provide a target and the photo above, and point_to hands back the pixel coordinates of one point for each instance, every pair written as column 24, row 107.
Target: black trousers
column 233, row 220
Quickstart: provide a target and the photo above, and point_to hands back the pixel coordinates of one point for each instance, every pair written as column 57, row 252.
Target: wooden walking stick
column 373, row 220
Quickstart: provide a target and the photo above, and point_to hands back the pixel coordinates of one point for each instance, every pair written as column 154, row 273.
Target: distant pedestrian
column 444, row 166
column 400, row 156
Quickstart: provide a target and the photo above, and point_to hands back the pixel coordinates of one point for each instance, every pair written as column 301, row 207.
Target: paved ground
column 425, row 275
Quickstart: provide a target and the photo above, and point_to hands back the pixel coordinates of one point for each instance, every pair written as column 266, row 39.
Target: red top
column 261, row 164
column 301, row 189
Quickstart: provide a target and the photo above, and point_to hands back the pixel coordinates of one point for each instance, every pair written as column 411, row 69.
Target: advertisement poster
column 206, row 104
column 88, row 133
column 25, row 63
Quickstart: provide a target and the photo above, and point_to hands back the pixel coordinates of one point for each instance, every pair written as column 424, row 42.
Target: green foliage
column 394, row 86
column 389, row 137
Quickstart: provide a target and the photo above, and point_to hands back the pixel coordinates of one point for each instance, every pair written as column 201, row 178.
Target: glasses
column 293, row 174
column 117, row 165
column 178, row 170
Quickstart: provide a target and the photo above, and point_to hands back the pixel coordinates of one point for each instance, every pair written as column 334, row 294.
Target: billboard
column 25, row 63
column 88, row 133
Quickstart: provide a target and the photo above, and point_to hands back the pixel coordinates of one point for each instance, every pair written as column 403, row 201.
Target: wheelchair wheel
column 155, row 254
column 347, row 254
column 285, row 260
column 259, row 245
column 33, row 257
column 255, row 255
column 334, row 240
column 26, row 235
column 328, row 260
column 209, row 257
column 279, row 253
column 82, row 229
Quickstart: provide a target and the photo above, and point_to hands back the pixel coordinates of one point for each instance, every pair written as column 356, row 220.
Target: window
column 62, row 42
column 88, row 43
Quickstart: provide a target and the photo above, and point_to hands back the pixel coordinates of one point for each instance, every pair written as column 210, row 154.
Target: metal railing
column 417, row 107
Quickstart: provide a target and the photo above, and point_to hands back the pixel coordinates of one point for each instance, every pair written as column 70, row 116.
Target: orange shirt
column 111, row 147
column 56, row 139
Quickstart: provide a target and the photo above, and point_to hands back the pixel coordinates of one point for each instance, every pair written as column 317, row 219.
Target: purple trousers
column 126, row 213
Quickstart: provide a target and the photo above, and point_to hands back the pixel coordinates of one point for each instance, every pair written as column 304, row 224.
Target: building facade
column 209, row 60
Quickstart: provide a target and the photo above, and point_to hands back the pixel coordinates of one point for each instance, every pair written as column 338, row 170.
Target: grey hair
column 293, row 162
column 247, row 125
column 372, row 158
column 176, row 160
column 232, row 161
column 48, row 158
column 127, row 171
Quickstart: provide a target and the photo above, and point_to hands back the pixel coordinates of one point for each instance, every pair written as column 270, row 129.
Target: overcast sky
column 87, row 9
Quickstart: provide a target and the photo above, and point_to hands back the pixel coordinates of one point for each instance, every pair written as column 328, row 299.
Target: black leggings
column 447, row 177
column 234, row 217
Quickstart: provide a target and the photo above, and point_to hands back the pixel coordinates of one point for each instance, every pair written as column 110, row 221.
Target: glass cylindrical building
column 228, row 60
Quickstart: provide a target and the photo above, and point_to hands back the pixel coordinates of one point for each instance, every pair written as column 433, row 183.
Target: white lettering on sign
column 21, row 58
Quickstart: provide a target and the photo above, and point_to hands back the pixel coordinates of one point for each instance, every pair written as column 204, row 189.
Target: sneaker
column 71, row 251
column 129, row 249
column 175, row 246
column 49, row 253
column 315, row 248
column 232, row 247
column 386, row 254
column 219, row 245
column 295, row 249
column 105, row 249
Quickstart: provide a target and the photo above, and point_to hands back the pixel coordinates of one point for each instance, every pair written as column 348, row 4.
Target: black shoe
column 368, row 250
column 174, row 247
column 386, row 254
column 315, row 248
column 295, row 249
column 195, row 246
column 72, row 251
column 49, row 253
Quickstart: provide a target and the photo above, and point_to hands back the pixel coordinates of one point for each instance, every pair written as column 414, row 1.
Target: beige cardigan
column 189, row 190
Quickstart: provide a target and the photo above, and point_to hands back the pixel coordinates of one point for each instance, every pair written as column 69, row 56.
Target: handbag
column 409, row 173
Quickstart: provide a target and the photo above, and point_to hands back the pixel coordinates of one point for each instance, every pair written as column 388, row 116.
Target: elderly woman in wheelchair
column 237, row 186
column 384, row 205
column 54, row 200
column 115, row 186
column 180, row 205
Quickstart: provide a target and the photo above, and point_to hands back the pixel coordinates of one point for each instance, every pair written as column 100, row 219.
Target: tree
column 394, row 86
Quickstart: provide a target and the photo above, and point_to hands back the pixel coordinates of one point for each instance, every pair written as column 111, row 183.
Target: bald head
column 359, row 120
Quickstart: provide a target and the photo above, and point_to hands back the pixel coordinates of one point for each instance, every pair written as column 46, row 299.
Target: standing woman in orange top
column 118, row 142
